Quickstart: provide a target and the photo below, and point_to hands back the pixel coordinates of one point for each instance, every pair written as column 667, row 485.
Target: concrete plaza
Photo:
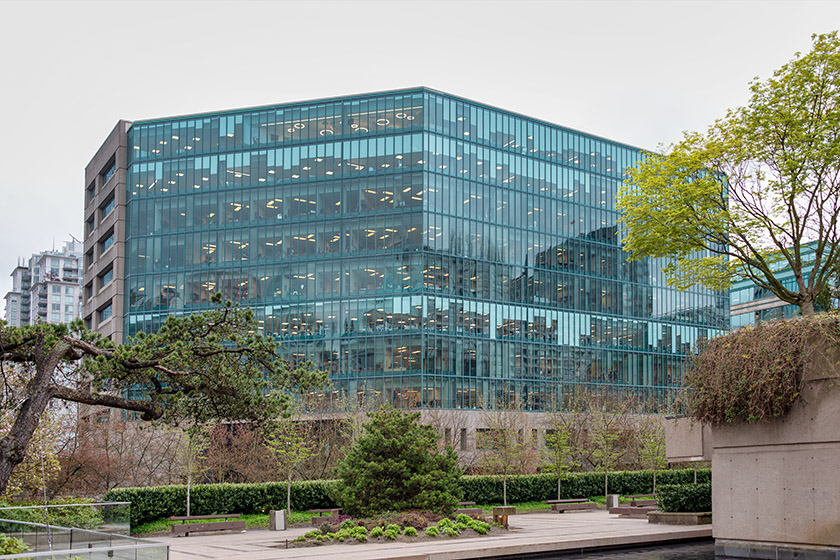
column 531, row 533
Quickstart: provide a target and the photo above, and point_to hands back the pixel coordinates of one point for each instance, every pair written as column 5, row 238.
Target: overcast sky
column 636, row 72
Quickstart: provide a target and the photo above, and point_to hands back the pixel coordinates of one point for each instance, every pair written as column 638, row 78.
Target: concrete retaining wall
column 779, row 481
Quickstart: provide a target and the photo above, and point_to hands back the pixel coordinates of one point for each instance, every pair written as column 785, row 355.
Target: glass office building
column 422, row 248
column 751, row 304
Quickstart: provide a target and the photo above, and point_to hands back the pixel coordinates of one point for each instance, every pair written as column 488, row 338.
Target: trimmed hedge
column 520, row 488
column 539, row 487
column 150, row 504
column 685, row 497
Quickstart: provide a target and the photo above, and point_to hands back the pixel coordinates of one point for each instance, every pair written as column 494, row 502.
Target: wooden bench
column 501, row 513
column 332, row 516
column 644, row 500
column 570, row 505
column 645, row 503
column 632, row 511
column 569, row 501
column 560, row 508
column 188, row 528
column 472, row 512
column 463, row 504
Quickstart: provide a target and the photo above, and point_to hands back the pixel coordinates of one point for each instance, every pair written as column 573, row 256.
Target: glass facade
column 747, row 292
column 422, row 248
column 751, row 304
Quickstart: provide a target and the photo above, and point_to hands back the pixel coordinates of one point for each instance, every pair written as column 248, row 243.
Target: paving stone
column 530, row 533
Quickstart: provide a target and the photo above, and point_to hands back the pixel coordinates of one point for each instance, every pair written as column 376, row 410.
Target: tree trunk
column 559, row 480
column 606, row 483
column 190, row 452
column 288, row 495
column 13, row 444
column 504, row 491
column 807, row 307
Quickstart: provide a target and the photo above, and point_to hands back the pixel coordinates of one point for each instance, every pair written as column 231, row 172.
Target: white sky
column 636, row 72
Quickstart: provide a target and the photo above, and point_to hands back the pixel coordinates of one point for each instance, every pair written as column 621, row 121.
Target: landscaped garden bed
column 151, row 507
column 395, row 448
column 402, row 527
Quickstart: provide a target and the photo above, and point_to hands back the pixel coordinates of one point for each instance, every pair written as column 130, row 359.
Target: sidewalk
column 532, row 533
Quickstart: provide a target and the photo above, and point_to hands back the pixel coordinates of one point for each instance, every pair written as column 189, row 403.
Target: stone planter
column 680, row 518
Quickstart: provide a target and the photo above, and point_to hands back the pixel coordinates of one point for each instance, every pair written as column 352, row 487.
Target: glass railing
column 64, row 543
column 104, row 517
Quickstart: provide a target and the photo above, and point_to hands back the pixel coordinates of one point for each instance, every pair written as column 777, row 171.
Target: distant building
column 18, row 300
column 750, row 304
column 47, row 288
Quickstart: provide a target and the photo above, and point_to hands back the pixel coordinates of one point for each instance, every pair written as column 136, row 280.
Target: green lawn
column 257, row 520
column 524, row 507
column 536, row 507
column 252, row 521
column 602, row 500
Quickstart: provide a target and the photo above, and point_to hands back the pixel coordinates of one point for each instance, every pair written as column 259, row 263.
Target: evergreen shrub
column 685, row 497
column 394, row 465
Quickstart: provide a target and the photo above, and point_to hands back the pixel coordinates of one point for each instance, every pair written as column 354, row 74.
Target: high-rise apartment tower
column 46, row 288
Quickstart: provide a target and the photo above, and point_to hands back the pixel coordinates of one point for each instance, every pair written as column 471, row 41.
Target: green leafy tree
column 558, row 454
column 203, row 367
column 504, row 449
column 607, row 446
column 651, row 452
column 394, row 465
column 291, row 442
column 759, row 191
column 194, row 442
